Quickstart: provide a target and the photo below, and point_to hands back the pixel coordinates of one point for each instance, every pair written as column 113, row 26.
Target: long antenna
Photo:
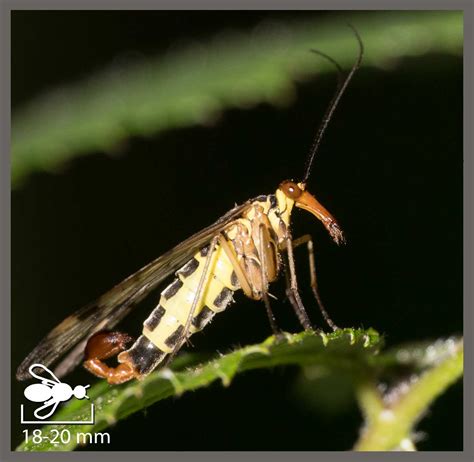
column 342, row 85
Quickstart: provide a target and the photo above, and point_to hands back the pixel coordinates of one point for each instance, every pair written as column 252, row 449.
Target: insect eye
column 291, row 189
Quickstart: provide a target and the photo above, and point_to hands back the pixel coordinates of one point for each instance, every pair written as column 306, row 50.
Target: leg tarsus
column 279, row 336
column 304, row 321
column 277, row 333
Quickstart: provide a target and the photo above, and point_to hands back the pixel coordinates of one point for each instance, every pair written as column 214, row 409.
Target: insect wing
column 114, row 305
column 52, row 404
column 42, row 379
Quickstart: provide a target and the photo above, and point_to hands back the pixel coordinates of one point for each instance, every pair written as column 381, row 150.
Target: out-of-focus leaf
column 194, row 84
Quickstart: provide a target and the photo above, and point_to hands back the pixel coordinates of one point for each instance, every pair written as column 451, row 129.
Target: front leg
column 265, row 263
column 308, row 240
column 292, row 286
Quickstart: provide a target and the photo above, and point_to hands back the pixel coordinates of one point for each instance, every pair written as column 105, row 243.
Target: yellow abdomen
column 164, row 327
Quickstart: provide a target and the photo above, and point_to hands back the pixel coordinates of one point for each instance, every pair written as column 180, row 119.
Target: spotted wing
column 105, row 312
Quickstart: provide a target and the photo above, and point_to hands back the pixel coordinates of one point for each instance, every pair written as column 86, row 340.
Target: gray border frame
column 5, row 409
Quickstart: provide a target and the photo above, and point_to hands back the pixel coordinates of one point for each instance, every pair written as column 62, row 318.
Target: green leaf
column 193, row 85
column 345, row 350
column 350, row 355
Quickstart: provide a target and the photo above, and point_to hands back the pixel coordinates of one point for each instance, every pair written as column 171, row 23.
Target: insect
column 51, row 392
column 245, row 249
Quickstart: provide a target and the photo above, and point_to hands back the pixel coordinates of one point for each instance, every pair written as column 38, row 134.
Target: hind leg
column 104, row 345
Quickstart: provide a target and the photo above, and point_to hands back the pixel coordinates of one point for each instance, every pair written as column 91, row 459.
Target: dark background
column 390, row 170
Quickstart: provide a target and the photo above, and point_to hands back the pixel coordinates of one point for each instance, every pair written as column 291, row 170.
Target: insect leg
column 264, row 241
column 292, row 287
column 240, row 273
column 289, row 294
column 197, row 298
column 307, row 239
column 243, row 280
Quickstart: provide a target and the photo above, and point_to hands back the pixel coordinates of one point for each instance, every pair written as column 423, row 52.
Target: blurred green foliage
column 192, row 85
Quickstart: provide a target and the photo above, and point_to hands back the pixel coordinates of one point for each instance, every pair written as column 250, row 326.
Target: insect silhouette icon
column 51, row 392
